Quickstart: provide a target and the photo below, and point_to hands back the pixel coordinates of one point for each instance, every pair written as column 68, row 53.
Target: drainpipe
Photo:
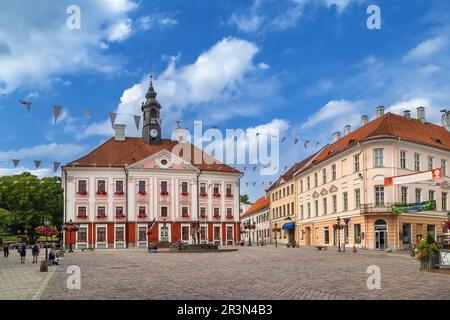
column 238, row 232
column 198, row 209
column 127, row 206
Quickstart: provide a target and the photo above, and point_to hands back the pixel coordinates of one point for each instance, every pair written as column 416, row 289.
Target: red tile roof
column 120, row 153
column 261, row 203
column 389, row 126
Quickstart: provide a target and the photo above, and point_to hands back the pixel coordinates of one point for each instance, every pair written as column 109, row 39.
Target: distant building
column 257, row 215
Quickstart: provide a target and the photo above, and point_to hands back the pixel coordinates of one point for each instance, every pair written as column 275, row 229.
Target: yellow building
column 338, row 195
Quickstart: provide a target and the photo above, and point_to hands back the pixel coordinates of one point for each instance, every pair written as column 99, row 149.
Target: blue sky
column 305, row 67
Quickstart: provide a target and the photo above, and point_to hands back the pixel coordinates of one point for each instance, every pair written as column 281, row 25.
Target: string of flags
column 37, row 164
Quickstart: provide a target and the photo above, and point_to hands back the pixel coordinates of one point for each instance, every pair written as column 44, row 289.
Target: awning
column 288, row 226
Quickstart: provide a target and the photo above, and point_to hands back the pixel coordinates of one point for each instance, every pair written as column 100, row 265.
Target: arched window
column 153, row 113
column 380, row 224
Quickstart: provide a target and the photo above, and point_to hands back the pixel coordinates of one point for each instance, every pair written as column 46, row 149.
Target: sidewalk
column 22, row 281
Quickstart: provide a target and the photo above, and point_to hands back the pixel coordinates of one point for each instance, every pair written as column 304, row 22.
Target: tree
column 5, row 217
column 30, row 201
column 245, row 199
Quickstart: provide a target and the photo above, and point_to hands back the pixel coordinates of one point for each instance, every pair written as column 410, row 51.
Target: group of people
column 35, row 250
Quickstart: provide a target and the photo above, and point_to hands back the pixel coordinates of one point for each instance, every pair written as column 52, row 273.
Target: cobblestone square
column 250, row 273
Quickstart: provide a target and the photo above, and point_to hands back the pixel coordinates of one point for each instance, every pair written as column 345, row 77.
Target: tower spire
column 151, row 131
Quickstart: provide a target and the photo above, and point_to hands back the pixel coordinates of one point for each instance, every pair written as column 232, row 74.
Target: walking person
column 35, row 249
column 6, row 250
column 23, row 252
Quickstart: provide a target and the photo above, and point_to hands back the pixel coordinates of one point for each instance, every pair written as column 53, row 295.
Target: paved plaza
column 22, row 281
column 250, row 273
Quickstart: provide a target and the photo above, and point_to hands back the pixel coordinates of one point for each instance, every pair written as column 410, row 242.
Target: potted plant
column 428, row 253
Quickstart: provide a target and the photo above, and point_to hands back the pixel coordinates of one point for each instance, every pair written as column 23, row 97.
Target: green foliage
column 245, row 199
column 427, row 248
column 29, row 201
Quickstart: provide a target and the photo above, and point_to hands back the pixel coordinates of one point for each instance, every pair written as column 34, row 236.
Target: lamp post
column 46, row 228
column 347, row 221
column 250, row 226
column 338, row 223
column 276, row 237
column 69, row 227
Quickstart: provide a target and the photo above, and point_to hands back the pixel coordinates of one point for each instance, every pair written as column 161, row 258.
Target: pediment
column 315, row 195
column 163, row 160
column 445, row 185
column 333, row 189
column 323, row 192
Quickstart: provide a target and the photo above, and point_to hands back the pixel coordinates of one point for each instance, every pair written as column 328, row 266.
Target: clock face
column 154, row 133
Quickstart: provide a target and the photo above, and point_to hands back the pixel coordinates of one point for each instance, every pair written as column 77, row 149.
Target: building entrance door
column 164, row 234
column 381, row 235
column 308, row 236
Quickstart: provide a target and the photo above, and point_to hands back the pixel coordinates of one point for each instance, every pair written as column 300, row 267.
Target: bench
column 90, row 249
column 321, row 248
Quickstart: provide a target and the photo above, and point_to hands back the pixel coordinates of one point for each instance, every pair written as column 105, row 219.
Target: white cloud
column 156, row 20
column 221, row 83
column 40, row 173
column 45, row 151
column 120, row 31
column 333, row 110
column 426, row 49
column 263, row 66
column 40, row 49
column 271, row 15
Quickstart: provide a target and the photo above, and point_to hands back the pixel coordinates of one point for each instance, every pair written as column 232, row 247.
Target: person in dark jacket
column 23, row 252
column 35, row 249
column 6, row 250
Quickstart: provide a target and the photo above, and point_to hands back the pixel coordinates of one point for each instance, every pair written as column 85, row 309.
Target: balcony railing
column 376, row 208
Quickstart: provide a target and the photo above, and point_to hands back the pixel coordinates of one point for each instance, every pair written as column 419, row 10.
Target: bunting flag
column 56, row 111
column 270, row 183
column 263, row 183
column 306, row 144
column 254, row 183
column 254, row 169
column 282, row 140
column 137, row 120
column 15, row 163
column 37, row 163
column 257, row 134
column 87, row 113
column 295, row 141
column 285, row 168
column 178, row 124
column 245, row 168
column 27, row 104
column 317, row 144
column 112, row 117
column 56, row 166
column 246, row 184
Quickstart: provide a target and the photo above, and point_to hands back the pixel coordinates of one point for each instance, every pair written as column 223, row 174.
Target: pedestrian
column 23, row 252
column 35, row 249
column 6, row 250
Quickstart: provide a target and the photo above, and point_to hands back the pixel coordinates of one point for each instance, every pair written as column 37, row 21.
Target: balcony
column 372, row 208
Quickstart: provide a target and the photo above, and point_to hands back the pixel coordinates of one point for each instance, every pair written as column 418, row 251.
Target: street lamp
column 250, row 226
column 69, row 227
column 338, row 223
column 276, row 237
column 347, row 221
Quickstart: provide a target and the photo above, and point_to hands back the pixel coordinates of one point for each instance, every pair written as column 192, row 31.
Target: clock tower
column 151, row 132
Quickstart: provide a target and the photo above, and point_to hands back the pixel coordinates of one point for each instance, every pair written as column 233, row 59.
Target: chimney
column 407, row 114
column 446, row 120
column 364, row 120
column 421, row 114
column 380, row 111
column 347, row 129
column 336, row 136
column 119, row 132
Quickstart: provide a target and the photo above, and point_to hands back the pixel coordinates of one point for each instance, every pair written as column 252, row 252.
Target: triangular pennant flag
column 285, row 168
column 87, row 113
column 15, row 163
column 245, row 168
column 254, row 168
column 246, row 184
column 306, row 144
column 282, row 140
column 37, row 163
column 56, row 166
column 137, row 120
column 270, row 182
column 317, row 144
column 112, row 117
column 295, row 141
column 56, row 111
column 26, row 104
column 254, row 183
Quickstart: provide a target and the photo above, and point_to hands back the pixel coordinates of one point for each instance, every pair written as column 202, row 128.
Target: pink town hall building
column 129, row 192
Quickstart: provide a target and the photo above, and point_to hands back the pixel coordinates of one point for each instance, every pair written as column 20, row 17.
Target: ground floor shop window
column 357, row 233
column 101, row 234
column 346, row 233
column 119, row 234
column 407, row 233
column 82, row 235
column 326, row 235
column 142, row 234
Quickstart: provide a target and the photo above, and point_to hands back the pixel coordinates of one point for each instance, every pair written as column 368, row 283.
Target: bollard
column 44, row 266
column 354, row 249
